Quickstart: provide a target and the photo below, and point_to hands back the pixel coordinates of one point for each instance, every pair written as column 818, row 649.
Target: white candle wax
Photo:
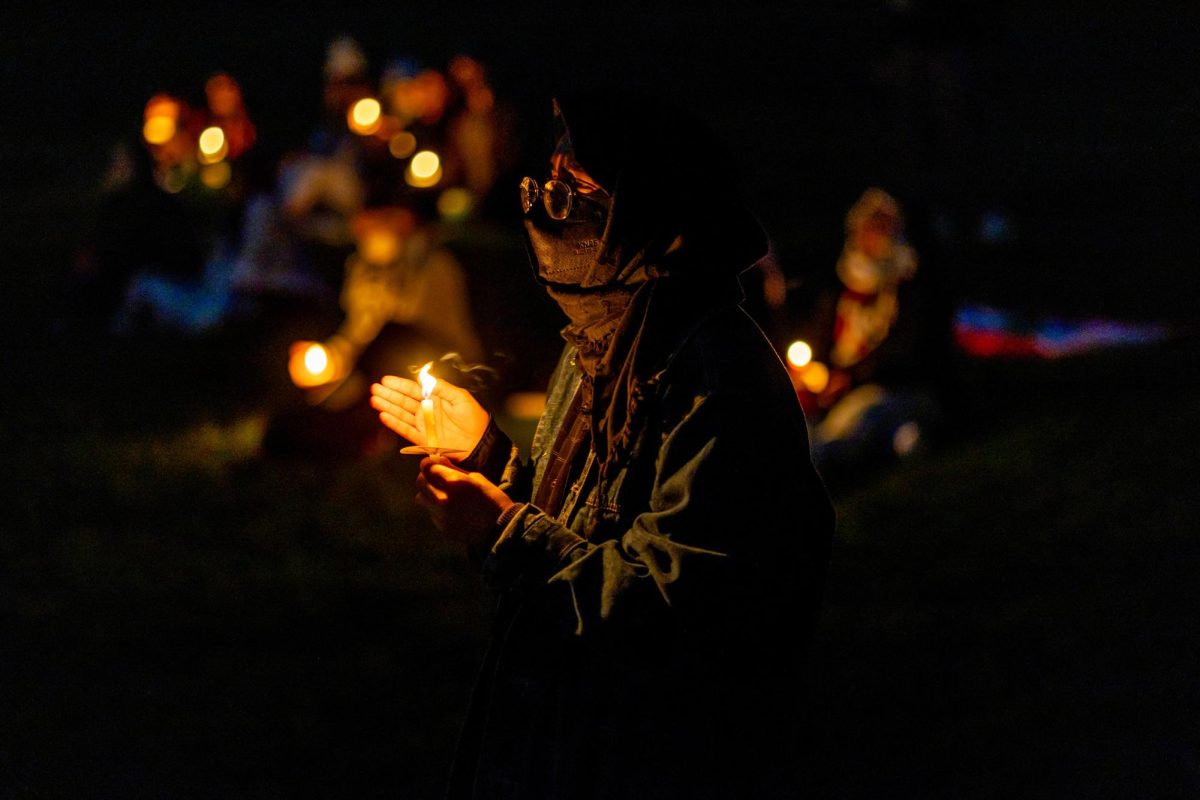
column 431, row 431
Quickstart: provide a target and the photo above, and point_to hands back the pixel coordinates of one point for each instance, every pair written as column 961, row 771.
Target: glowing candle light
column 815, row 377
column 162, row 119
column 159, row 130
column 799, row 353
column 365, row 116
column 312, row 364
column 316, row 359
column 424, row 170
column 212, row 145
column 427, row 384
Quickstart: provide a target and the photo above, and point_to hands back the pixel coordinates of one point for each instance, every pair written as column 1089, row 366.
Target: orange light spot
column 159, row 130
column 424, row 170
column 799, row 354
column 365, row 116
column 212, row 145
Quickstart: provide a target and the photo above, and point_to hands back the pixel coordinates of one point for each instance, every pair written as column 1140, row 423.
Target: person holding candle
column 660, row 559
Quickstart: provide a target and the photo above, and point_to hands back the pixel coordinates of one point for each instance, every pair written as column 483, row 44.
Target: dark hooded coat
column 652, row 624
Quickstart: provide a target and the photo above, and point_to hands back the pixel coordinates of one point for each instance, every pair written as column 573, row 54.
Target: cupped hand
column 461, row 420
column 463, row 505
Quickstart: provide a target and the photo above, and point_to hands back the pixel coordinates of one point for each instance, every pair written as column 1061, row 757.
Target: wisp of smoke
column 472, row 377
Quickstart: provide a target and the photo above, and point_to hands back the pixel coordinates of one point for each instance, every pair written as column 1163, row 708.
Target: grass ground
column 1011, row 614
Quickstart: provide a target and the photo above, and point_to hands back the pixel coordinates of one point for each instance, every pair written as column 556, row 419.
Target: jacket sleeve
column 713, row 537
column 497, row 458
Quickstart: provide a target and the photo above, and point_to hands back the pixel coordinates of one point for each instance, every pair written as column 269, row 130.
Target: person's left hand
column 398, row 401
column 463, row 505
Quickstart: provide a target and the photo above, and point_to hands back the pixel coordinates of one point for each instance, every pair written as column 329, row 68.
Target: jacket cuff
column 507, row 516
column 491, row 454
column 531, row 545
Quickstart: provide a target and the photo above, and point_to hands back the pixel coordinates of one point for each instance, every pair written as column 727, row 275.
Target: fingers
column 462, row 505
column 397, row 411
column 403, row 385
column 411, row 390
column 428, row 494
column 438, row 472
column 443, row 390
column 396, row 395
column 433, row 500
column 403, row 427
column 448, row 392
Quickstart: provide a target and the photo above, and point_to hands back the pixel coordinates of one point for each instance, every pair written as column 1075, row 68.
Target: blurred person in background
column 346, row 82
column 183, row 282
column 404, row 300
column 398, row 275
column 660, row 559
column 879, row 401
column 139, row 228
column 320, row 188
column 404, row 175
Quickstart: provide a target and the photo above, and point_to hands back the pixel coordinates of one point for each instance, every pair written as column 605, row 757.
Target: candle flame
column 427, row 381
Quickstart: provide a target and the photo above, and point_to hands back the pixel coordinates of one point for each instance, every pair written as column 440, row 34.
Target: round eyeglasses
column 558, row 198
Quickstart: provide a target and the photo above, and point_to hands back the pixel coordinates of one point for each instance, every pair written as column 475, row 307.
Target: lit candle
column 427, row 384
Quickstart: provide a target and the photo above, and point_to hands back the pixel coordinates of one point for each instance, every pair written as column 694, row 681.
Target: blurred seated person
column 398, row 275
column 878, row 401
column 139, row 228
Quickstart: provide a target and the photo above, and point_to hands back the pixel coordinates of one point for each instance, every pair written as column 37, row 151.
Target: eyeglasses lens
column 557, row 199
column 529, row 194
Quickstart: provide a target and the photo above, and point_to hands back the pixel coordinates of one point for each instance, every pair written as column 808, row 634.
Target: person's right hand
column 463, row 505
column 461, row 420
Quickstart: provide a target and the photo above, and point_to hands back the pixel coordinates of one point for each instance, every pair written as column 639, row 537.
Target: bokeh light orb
column 159, row 130
column 424, row 170
column 316, row 359
column 402, row 145
column 815, row 377
column 216, row 176
column 174, row 180
column 312, row 364
column 799, row 354
column 212, row 145
column 365, row 116
column 425, row 164
column 906, row 439
column 455, row 203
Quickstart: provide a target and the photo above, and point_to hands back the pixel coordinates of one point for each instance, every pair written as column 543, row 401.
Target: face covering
column 564, row 252
column 566, row 258
column 595, row 316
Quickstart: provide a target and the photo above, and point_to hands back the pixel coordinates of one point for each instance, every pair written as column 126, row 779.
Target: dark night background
column 1013, row 614
column 1078, row 122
